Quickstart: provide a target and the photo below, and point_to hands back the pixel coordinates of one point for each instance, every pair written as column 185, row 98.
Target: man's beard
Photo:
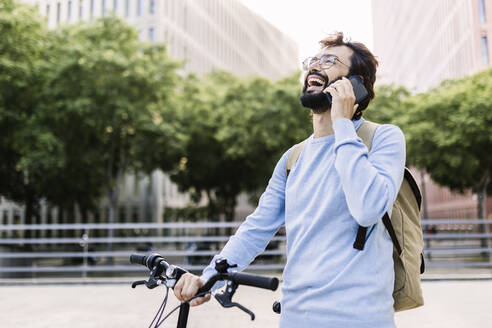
column 317, row 101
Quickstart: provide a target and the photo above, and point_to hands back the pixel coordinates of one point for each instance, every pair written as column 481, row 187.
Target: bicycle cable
column 157, row 324
column 161, row 309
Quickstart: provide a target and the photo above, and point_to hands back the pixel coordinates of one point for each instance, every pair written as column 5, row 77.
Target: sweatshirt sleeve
column 255, row 232
column 370, row 181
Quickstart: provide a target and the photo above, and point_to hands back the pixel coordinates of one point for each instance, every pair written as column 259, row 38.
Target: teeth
column 315, row 81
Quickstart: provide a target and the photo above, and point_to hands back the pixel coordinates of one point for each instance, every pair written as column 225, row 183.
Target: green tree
column 236, row 130
column 260, row 120
column 202, row 167
column 108, row 101
column 448, row 132
column 28, row 151
column 388, row 105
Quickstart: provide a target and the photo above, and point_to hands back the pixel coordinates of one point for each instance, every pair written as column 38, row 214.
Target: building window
column 481, row 11
column 122, row 214
column 127, row 8
column 151, row 34
column 150, row 185
column 115, row 5
column 485, row 50
column 103, row 8
column 80, row 9
column 151, row 6
column 17, row 217
column 5, row 217
column 92, row 8
column 136, row 185
column 139, row 7
column 5, row 220
column 58, row 13
column 69, row 11
column 134, row 214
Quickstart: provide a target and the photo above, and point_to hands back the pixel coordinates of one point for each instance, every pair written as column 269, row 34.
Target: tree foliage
column 27, row 150
column 388, row 106
column 107, row 101
column 79, row 106
column 447, row 129
column 236, row 130
column 449, row 132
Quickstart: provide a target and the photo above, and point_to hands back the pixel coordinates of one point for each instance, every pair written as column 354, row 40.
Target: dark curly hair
column 362, row 63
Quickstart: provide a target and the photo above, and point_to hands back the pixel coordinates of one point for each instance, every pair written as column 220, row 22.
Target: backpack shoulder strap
column 414, row 186
column 366, row 132
column 293, row 157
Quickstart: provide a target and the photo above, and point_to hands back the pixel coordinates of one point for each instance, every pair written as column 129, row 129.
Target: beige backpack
column 403, row 227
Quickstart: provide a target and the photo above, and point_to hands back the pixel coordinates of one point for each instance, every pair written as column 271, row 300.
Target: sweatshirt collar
column 330, row 137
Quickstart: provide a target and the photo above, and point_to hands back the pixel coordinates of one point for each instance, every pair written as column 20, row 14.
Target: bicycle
column 163, row 273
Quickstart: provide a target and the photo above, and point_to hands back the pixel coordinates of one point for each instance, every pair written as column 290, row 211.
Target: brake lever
column 155, row 278
column 226, row 302
column 225, row 298
column 251, row 314
column 139, row 282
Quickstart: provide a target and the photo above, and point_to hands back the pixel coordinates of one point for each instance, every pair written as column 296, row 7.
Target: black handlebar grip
column 254, row 281
column 138, row 259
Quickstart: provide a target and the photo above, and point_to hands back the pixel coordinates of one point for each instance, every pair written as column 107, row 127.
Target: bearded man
column 335, row 186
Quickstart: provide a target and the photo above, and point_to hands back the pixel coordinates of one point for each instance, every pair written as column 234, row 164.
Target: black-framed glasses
column 325, row 62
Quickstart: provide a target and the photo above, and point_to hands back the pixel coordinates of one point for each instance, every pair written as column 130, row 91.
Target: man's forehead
column 342, row 52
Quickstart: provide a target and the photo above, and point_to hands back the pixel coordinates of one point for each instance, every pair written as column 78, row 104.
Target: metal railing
column 457, row 243
column 79, row 250
column 189, row 244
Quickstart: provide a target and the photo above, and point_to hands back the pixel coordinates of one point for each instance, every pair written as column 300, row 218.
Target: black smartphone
column 359, row 89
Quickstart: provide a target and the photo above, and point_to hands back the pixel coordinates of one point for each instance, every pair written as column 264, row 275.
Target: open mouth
column 315, row 82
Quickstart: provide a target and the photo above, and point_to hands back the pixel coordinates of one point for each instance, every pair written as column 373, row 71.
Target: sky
column 308, row 21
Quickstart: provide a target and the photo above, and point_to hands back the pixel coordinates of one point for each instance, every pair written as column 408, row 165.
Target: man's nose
column 314, row 66
column 314, row 69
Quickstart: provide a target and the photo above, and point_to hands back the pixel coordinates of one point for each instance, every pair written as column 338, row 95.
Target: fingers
column 348, row 90
column 187, row 287
column 200, row 300
column 332, row 91
column 189, row 290
column 342, row 89
column 179, row 287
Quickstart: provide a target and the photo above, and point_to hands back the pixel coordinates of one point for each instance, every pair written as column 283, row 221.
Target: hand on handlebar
column 187, row 287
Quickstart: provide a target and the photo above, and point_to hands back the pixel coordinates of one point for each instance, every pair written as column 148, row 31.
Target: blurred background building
column 208, row 35
column 421, row 43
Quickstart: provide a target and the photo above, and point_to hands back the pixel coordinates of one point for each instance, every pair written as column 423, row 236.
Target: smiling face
column 335, row 64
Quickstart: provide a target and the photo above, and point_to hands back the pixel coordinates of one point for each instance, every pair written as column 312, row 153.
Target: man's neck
column 322, row 125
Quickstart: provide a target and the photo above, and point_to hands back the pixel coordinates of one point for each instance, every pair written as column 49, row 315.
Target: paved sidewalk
column 448, row 304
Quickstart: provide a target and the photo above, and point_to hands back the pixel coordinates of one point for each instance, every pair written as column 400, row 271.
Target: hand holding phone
column 345, row 105
column 360, row 90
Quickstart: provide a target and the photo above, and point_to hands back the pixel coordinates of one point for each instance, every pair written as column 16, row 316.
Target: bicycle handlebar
column 149, row 260
column 164, row 273
column 138, row 259
column 238, row 277
column 242, row 279
column 254, row 281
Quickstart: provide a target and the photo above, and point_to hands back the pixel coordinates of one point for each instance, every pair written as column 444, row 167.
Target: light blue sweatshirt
column 334, row 187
